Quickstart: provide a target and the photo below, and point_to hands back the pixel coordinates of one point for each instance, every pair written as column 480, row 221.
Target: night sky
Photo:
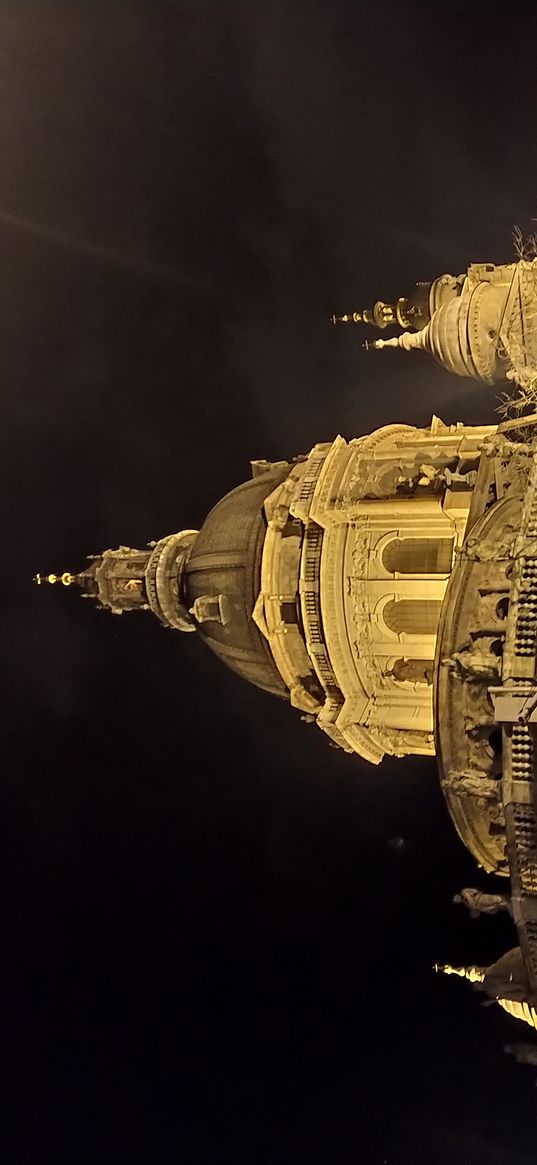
column 218, row 932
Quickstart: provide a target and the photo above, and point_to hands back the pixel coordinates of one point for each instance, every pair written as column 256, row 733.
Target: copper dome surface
column 226, row 561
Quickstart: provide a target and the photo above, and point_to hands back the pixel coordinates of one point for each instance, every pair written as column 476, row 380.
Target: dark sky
column 214, row 951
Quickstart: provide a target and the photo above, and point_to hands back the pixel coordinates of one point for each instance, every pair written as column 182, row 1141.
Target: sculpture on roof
column 478, row 902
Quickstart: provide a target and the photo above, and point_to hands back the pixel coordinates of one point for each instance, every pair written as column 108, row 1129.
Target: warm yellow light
column 473, row 974
column 66, row 578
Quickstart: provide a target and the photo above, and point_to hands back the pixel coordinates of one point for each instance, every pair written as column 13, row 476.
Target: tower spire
column 406, row 340
column 137, row 580
column 66, row 578
column 473, row 974
column 380, row 316
column 412, row 311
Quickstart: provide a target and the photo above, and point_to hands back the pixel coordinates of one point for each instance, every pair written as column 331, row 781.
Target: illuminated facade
column 481, row 324
column 322, row 580
column 387, row 587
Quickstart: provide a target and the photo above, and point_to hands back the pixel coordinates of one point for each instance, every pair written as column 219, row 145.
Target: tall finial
column 354, row 317
column 407, row 340
column 66, row 578
column 381, row 316
column 473, row 974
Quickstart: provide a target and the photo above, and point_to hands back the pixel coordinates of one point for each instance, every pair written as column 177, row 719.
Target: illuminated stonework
column 482, row 324
column 354, row 595
column 386, row 586
column 323, row 579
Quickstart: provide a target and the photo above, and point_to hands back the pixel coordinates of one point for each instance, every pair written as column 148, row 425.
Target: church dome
column 222, row 580
column 463, row 332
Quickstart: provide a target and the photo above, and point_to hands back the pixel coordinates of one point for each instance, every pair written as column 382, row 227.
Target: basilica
column 386, row 586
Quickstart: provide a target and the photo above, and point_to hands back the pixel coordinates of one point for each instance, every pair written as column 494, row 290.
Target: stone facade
column 361, row 537
column 387, row 587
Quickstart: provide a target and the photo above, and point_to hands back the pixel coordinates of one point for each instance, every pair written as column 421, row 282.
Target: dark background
column 215, row 948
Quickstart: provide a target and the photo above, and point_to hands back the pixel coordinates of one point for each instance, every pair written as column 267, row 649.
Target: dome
column 222, row 580
column 463, row 333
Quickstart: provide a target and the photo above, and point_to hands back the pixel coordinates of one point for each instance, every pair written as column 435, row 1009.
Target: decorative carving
column 402, row 741
column 364, row 649
column 472, row 784
column 477, row 902
column 472, row 665
column 487, row 550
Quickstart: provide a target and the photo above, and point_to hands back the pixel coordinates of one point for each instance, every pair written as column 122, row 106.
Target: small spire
column 407, row 340
column 66, row 578
column 378, row 344
column 473, row 974
column 354, row 317
column 382, row 315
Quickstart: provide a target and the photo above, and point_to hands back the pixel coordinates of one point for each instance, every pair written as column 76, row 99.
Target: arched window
column 412, row 616
column 418, row 556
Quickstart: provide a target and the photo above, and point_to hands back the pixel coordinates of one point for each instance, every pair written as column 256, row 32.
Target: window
column 418, row 556
column 211, row 609
column 412, row 616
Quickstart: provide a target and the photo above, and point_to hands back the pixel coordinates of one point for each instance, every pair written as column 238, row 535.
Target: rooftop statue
column 478, row 902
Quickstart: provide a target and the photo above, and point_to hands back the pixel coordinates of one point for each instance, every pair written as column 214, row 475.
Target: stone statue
column 460, row 481
column 418, row 671
column 479, row 903
column 472, row 785
column 472, row 665
column 389, row 479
